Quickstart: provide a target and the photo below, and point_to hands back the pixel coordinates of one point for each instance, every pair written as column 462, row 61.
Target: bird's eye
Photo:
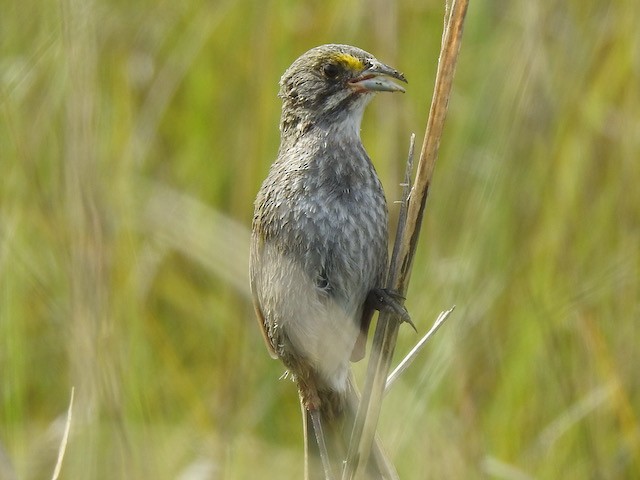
column 331, row 70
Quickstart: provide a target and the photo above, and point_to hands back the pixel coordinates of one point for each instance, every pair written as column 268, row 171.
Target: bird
column 319, row 242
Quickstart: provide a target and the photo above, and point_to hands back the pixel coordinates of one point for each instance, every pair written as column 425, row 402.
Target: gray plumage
column 319, row 240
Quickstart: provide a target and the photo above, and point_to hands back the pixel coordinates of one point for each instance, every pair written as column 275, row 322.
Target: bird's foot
column 386, row 300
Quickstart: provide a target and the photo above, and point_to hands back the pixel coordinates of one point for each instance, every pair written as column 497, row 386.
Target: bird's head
column 331, row 85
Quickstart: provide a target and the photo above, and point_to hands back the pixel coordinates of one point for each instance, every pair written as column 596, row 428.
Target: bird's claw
column 386, row 300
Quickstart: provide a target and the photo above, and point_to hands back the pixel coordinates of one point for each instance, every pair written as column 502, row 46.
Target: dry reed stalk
column 405, row 246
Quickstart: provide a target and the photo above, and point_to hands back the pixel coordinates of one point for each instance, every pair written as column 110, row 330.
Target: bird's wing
column 255, row 263
column 360, row 347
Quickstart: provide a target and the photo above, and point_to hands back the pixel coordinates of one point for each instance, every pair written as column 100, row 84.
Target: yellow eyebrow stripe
column 350, row 61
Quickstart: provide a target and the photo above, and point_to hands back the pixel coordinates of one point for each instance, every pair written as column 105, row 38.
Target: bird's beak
column 377, row 78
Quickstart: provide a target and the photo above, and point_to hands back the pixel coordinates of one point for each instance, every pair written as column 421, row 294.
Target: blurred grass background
column 133, row 139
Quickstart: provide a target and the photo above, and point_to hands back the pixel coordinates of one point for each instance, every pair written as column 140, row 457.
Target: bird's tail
column 333, row 428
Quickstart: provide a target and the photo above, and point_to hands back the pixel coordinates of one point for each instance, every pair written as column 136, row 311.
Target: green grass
column 133, row 138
